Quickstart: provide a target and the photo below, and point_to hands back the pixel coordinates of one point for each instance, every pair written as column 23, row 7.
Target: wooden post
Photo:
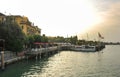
column 40, row 56
column 2, row 60
column 36, row 57
column 2, row 44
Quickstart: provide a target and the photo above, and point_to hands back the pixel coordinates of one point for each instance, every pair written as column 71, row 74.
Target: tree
column 13, row 35
column 30, row 40
column 44, row 38
column 73, row 40
column 57, row 39
column 37, row 38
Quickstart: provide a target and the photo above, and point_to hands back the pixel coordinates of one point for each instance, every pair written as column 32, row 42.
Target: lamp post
column 2, row 45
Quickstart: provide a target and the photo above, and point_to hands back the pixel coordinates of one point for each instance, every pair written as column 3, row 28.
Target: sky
column 84, row 18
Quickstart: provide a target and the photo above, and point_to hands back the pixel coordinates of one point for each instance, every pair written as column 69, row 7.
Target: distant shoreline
column 112, row 44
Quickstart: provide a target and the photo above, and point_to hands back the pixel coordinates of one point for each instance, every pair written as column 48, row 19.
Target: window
column 22, row 27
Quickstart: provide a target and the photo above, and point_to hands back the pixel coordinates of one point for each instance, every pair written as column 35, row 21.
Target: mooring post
column 40, row 56
column 36, row 57
column 2, row 45
column 2, row 60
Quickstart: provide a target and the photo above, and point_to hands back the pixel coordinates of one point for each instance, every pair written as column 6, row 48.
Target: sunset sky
column 70, row 17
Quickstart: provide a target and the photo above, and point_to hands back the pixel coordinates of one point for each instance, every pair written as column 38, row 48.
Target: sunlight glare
column 88, row 16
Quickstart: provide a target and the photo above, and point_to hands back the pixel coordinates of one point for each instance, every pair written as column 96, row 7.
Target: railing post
column 36, row 57
column 40, row 55
column 2, row 60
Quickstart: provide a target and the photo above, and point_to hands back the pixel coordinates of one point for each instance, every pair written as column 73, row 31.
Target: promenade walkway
column 11, row 57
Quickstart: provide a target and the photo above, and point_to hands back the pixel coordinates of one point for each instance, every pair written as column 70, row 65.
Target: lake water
column 70, row 64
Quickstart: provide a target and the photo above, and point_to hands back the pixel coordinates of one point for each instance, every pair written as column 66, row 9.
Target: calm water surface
column 105, row 63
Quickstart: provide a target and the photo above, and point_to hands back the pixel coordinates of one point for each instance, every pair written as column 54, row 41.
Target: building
column 2, row 18
column 27, row 27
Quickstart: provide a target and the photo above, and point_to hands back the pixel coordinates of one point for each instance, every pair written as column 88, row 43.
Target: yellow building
column 2, row 18
column 27, row 27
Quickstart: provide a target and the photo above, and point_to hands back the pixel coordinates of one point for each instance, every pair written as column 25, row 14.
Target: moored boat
column 86, row 48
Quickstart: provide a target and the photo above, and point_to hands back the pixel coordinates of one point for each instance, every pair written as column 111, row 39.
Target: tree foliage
column 56, row 39
column 13, row 36
column 72, row 39
column 30, row 40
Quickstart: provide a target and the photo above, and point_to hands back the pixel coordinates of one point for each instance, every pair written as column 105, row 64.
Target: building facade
column 27, row 27
column 2, row 18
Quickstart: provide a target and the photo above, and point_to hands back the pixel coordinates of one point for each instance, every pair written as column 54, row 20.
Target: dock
column 39, row 52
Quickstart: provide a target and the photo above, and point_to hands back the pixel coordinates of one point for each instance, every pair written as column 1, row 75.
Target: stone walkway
column 10, row 57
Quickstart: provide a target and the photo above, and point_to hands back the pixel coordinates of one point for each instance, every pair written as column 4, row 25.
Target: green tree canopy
column 13, row 36
column 30, row 40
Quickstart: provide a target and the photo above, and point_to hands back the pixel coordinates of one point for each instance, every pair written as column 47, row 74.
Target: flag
column 100, row 36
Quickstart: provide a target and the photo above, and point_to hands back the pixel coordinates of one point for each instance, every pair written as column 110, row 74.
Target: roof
column 1, row 14
column 14, row 16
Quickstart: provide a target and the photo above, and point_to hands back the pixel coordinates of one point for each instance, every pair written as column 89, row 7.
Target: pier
column 46, row 50
column 39, row 52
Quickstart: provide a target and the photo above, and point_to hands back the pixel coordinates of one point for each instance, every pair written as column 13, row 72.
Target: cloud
column 110, row 27
column 112, row 17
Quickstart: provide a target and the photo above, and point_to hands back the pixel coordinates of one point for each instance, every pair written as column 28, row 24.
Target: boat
column 85, row 48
